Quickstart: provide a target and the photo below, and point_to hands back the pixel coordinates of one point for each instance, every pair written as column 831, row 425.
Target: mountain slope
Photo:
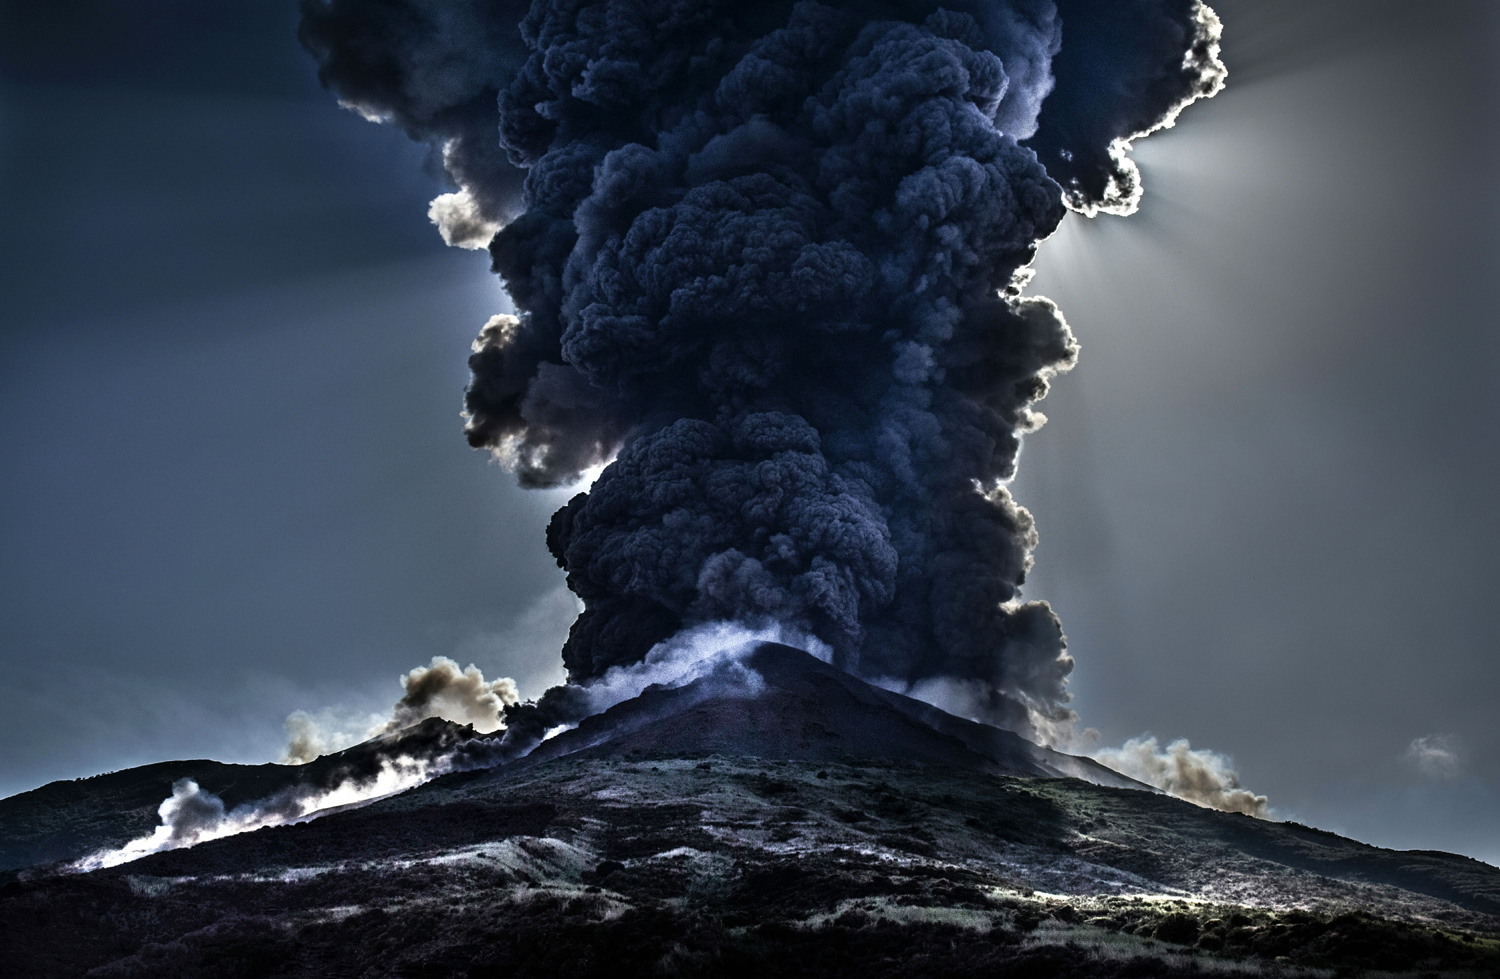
column 67, row 820
column 805, row 825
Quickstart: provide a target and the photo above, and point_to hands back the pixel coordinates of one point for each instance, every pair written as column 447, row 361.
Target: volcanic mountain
column 796, row 821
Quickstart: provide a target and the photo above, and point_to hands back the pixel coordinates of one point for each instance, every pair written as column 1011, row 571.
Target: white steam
column 460, row 221
column 191, row 815
column 441, row 689
column 1203, row 777
column 713, row 649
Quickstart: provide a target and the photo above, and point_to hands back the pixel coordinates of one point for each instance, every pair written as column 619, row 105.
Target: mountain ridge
column 665, row 836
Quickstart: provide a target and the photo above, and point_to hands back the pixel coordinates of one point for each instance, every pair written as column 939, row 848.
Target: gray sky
column 232, row 354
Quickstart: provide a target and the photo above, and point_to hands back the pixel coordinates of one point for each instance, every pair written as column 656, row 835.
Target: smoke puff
column 312, row 735
column 767, row 258
column 461, row 696
column 190, row 813
column 441, row 690
column 1205, row 778
column 421, row 740
column 461, row 221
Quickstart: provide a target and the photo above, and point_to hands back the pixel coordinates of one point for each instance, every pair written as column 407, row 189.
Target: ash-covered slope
column 67, row 820
column 806, row 710
column 741, row 866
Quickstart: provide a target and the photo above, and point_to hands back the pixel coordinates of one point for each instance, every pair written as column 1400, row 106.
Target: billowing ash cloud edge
column 767, row 259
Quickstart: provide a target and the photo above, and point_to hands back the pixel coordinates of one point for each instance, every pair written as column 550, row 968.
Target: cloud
column 1437, row 756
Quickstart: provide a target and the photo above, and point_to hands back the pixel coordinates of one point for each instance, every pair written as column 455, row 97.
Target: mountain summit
column 803, row 709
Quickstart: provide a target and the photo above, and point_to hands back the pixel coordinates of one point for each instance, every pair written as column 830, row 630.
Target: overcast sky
column 235, row 483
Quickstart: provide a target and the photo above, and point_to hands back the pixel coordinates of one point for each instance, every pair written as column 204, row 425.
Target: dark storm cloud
column 767, row 254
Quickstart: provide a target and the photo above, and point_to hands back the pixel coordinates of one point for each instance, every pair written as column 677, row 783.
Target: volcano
column 805, row 824
column 810, row 711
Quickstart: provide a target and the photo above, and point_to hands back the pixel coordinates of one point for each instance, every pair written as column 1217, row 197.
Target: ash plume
column 434, row 68
column 767, row 263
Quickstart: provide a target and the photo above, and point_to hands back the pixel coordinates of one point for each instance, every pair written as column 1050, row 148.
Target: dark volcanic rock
column 732, row 865
column 810, row 711
column 823, row 828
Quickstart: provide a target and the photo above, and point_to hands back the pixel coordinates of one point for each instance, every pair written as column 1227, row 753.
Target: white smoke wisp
column 1437, row 756
column 713, row 649
column 440, row 689
column 1202, row 777
column 192, row 815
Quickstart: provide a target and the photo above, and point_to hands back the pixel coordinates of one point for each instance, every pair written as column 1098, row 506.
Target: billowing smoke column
column 767, row 257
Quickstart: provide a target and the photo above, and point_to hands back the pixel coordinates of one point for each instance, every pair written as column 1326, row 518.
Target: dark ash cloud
column 1109, row 93
column 768, row 259
column 436, row 70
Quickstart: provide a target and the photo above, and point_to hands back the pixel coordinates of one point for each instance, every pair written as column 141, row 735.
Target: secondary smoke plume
column 386, row 765
column 440, row 689
column 1203, row 777
column 768, row 258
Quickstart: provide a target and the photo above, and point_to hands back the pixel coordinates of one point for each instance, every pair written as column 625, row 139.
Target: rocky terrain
column 658, row 843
